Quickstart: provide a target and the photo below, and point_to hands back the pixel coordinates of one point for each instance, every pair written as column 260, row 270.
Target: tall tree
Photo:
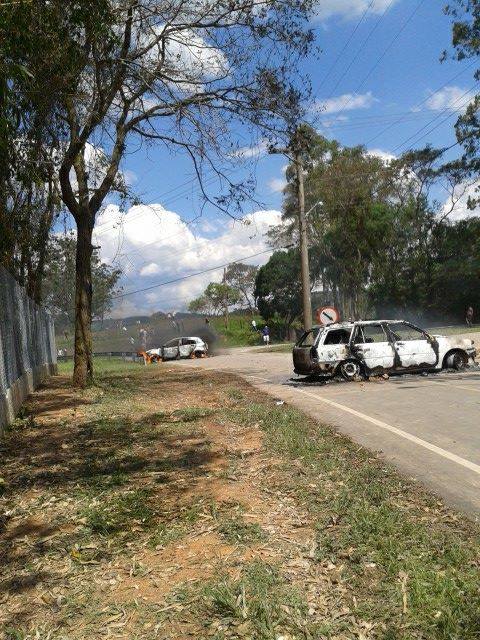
column 242, row 278
column 466, row 45
column 179, row 73
column 217, row 297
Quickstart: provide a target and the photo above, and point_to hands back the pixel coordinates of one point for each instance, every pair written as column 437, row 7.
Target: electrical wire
column 382, row 56
column 198, row 273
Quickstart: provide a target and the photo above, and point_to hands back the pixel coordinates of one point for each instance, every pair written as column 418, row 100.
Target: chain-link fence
column 27, row 346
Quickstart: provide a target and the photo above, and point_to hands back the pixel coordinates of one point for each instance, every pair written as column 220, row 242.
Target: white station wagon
column 372, row 347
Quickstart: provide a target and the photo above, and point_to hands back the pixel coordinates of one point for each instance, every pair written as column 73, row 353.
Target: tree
column 278, row 288
column 466, row 44
column 217, row 297
column 29, row 193
column 178, row 73
column 242, row 278
column 60, row 281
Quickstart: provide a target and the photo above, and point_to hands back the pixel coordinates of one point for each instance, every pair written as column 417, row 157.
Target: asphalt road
column 428, row 426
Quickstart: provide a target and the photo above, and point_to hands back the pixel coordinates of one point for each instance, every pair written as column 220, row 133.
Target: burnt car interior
column 338, row 336
column 369, row 334
column 405, row 332
column 308, row 339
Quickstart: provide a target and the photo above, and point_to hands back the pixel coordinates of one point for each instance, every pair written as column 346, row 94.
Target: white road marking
column 388, row 427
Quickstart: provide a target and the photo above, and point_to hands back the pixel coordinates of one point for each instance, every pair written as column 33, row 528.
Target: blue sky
column 387, row 89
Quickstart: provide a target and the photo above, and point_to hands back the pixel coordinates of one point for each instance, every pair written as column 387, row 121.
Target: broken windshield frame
column 309, row 338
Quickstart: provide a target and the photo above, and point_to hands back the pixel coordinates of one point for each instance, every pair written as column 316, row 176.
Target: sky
column 378, row 82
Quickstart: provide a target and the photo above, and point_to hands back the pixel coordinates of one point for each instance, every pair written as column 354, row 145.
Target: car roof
column 349, row 325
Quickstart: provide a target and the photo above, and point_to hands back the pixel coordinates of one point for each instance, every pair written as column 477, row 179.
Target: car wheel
column 350, row 370
column 457, row 360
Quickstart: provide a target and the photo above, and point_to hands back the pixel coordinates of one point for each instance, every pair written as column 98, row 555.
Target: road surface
column 428, row 426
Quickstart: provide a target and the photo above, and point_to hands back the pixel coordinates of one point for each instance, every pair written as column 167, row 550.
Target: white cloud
column 252, row 151
column 460, row 210
column 151, row 241
column 451, row 98
column 150, row 269
column 331, row 122
column 277, row 185
column 386, row 156
column 346, row 102
column 349, row 9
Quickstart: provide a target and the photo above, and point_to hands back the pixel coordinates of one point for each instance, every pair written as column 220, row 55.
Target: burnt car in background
column 373, row 347
column 190, row 347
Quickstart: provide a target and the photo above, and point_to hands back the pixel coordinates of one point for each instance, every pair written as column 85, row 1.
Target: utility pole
column 303, row 238
column 225, row 299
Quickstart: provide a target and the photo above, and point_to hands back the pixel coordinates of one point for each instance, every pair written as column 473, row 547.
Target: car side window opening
column 186, row 341
column 404, row 332
column 337, row 336
column 369, row 333
column 172, row 343
column 309, row 338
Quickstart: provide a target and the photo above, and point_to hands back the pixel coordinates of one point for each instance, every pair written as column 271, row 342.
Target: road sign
column 327, row 315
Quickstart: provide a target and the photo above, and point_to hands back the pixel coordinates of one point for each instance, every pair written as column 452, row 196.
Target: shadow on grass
column 99, row 459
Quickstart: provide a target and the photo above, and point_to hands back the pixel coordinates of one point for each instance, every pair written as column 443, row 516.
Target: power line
column 383, row 54
column 347, row 42
column 362, row 46
column 198, row 273
column 422, row 102
column 439, row 115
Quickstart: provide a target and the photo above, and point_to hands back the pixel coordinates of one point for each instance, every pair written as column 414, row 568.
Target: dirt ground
column 155, row 505
column 212, row 488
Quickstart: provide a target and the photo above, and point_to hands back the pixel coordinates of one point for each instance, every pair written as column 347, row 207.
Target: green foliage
column 239, row 331
column 242, row 278
column 278, row 288
column 216, row 297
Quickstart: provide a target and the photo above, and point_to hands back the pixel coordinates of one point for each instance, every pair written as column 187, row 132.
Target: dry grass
column 175, row 504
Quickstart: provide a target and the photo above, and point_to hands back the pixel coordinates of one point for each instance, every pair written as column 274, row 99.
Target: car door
column 187, row 346
column 414, row 348
column 170, row 350
column 333, row 347
column 304, row 351
column 370, row 344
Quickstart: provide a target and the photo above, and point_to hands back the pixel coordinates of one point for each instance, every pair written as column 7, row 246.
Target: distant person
column 143, row 338
column 266, row 335
column 254, row 325
column 207, row 321
column 469, row 317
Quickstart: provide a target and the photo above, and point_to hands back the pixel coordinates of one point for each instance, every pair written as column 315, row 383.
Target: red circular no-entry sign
column 327, row 315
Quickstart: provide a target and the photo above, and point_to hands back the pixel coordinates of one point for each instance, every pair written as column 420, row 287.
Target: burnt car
column 373, row 347
column 191, row 347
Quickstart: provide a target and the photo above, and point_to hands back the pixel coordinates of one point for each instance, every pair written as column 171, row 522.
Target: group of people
column 265, row 331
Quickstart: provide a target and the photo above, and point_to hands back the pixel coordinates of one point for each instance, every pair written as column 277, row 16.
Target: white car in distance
column 190, row 347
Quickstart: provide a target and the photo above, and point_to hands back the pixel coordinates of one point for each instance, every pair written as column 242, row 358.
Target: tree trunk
column 83, row 366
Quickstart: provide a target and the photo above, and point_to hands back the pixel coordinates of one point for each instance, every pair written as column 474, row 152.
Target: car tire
column 350, row 370
column 456, row 360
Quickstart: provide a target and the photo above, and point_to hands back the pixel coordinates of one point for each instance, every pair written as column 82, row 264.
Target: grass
column 384, row 531
column 259, row 604
column 130, row 479
column 277, row 348
column 239, row 332
column 237, row 531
